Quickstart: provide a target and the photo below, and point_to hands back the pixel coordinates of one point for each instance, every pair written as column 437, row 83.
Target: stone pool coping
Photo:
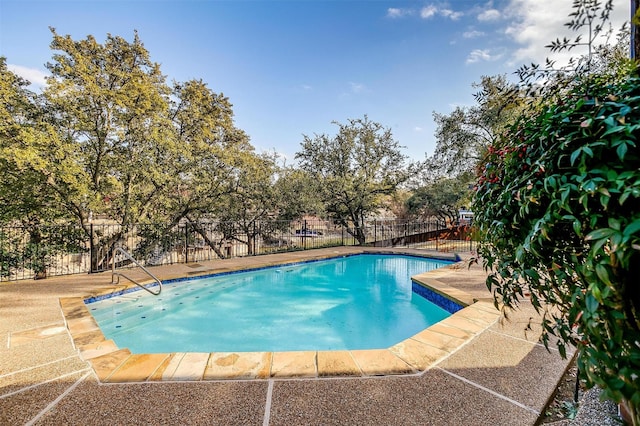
column 416, row 354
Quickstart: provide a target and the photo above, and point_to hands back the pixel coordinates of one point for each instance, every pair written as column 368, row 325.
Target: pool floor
column 349, row 302
column 419, row 352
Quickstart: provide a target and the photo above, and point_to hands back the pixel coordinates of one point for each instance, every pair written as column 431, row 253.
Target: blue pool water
column 354, row 302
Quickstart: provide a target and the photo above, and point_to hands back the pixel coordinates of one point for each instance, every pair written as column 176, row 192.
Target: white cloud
column 533, row 25
column 357, row 87
column 306, row 87
column 394, row 12
column 428, row 11
column 417, row 129
column 489, row 15
column 485, row 55
column 431, row 10
column 448, row 13
column 35, row 76
column 473, row 34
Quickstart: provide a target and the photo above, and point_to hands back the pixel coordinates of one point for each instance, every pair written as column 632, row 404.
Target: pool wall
column 432, row 296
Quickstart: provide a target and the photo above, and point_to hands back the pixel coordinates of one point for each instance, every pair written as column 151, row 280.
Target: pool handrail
column 119, row 274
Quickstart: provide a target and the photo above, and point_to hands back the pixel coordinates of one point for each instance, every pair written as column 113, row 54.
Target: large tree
column 113, row 139
column 29, row 150
column 109, row 103
column 210, row 150
column 355, row 169
column 463, row 135
column 297, row 191
column 206, row 154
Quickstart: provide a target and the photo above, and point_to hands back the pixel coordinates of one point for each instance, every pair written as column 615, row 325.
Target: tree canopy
column 108, row 138
column 462, row 136
column 354, row 170
column 22, row 127
column 442, row 199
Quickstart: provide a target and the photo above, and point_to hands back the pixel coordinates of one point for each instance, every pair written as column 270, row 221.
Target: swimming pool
column 354, row 302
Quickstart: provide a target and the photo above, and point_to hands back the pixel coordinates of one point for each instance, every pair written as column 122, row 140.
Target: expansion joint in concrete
column 267, row 405
column 58, row 399
column 492, row 392
column 88, row 371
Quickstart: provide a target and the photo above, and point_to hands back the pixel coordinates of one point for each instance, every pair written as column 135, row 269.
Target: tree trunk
column 198, row 228
column 360, row 234
column 251, row 238
column 38, row 254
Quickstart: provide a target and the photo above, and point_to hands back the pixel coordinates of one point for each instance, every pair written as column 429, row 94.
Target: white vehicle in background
column 465, row 217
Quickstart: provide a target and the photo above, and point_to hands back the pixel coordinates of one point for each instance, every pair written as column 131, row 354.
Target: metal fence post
column 405, row 233
column 255, row 237
column 186, row 242
column 91, row 249
column 2, row 268
column 375, row 232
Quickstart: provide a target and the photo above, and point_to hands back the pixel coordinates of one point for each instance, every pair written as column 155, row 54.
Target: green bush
column 558, row 207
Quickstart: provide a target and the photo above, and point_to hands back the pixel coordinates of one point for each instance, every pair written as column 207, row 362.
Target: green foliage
column 253, row 199
column 297, row 191
column 442, row 199
column 463, row 135
column 354, row 170
column 109, row 104
column 10, row 257
column 209, row 152
column 110, row 140
column 593, row 14
column 23, row 197
column 570, row 408
column 558, row 205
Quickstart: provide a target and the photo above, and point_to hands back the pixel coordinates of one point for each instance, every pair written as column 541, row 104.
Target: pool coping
column 414, row 355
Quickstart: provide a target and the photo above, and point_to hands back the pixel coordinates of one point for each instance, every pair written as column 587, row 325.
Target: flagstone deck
column 472, row 368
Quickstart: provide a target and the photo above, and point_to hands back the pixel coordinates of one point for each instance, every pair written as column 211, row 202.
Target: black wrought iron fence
column 40, row 251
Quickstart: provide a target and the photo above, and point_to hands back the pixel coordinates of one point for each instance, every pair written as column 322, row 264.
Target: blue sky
column 292, row 67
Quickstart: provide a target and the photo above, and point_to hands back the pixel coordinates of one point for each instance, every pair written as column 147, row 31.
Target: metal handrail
column 118, row 274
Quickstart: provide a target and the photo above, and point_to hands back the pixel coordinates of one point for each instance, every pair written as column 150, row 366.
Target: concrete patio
column 498, row 374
